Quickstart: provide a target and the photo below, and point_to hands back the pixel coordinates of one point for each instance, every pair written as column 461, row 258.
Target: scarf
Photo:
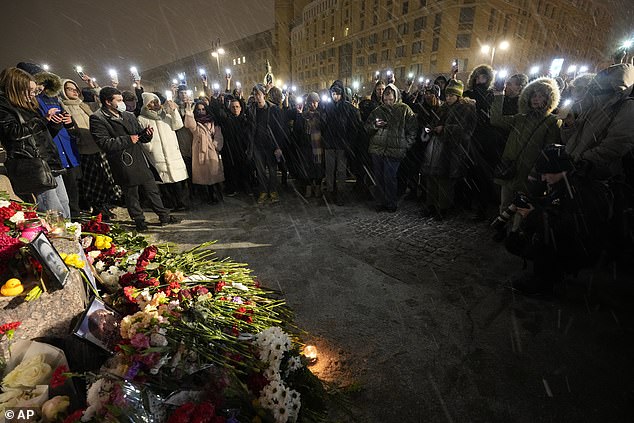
column 151, row 114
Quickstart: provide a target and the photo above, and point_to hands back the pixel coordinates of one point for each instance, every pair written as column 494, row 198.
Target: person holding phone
column 17, row 98
column 392, row 128
column 65, row 139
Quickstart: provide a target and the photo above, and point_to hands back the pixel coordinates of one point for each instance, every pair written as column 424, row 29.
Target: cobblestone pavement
column 413, row 318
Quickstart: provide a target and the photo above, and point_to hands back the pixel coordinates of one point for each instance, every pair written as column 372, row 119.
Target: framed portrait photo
column 52, row 263
column 99, row 325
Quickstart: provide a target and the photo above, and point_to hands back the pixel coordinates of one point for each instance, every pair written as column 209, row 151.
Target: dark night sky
column 119, row 33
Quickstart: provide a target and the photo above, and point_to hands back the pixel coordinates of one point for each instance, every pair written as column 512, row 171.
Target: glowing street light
column 217, row 53
column 502, row 74
column 534, row 70
column 46, row 67
column 485, row 49
column 355, row 85
column 113, row 76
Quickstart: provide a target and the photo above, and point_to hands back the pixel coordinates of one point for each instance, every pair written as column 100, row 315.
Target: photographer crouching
column 562, row 231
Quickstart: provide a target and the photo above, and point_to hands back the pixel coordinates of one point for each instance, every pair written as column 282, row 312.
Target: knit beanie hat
column 454, row 87
column 148, row 98
column 30, row 68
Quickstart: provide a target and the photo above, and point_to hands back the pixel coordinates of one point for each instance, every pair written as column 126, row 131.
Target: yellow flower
column 103, row 242
column 72, row 260
column 31, row 372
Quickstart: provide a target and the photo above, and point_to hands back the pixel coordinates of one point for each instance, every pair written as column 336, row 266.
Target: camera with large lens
column 520, row 201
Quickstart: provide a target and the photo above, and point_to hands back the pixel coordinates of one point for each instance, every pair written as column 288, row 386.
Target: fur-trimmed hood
column 51, row 82
column 397, row 92
column 548, row 85
column 485, row 69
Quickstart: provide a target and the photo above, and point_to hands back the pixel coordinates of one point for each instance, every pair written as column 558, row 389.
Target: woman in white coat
column 163, row 151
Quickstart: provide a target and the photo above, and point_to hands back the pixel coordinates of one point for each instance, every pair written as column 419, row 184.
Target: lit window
column 234, row 62
column 238, row 60
column 244, row 59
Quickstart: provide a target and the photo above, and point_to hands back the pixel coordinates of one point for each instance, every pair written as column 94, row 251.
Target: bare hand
column 66, row 118
column 149, row 130
column 380, row 123
column 52, row 112
column 134, row 139
column 300, row 107
column 170, row 106
column 189, row 107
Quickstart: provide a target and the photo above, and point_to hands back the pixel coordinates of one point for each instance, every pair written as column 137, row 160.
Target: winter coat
column 398, row 135
column 341, row 123
column 446, row 153
column 603, row 132
column 65, row 138
column 12, row 134
column 275, row 136
column 529, row 132
column 81, row 111
column 163, row 151
column 127, row 160
column 206, row 164
column 307, row 147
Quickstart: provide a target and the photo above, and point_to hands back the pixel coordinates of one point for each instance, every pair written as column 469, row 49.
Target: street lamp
column 217, row 53
column 534, row 70
column 486, row 49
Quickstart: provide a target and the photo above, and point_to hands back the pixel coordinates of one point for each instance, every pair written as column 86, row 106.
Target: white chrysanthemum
column 98, row 394
column 5, row 203
column 100, row 265
column 294, row 363
column 132, row 258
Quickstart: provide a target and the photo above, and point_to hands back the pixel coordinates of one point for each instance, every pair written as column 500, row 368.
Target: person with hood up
column 97, row 187
column 599, row 134
column 20, row 120
column 564, row 230
column 392, row 128
column 65, row 139
column 207, row 169
column 483, row 149
column 163, row 150
column 446, row 159
column 341, row 124
column 533, row 128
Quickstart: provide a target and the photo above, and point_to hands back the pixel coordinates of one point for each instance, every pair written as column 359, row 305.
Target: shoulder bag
column 29, row 173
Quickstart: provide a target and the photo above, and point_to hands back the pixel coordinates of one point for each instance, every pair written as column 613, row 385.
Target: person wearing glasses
column 97, row 189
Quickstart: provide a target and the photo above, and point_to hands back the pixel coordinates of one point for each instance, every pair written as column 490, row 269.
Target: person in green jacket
column 392, row 129
column 531, row 130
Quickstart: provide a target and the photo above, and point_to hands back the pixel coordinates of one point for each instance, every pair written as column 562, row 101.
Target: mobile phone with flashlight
column 455, row 67
column 80, row 72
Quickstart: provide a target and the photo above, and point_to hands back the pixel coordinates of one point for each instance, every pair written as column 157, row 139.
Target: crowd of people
column 553, row 158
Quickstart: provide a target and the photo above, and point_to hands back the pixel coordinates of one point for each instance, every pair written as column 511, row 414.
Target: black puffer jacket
column 14, row 135
column 341, row 123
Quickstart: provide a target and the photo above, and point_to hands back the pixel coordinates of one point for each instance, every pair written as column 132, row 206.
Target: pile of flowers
column 200, row 339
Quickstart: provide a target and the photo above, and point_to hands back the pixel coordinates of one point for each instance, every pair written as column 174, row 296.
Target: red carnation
column 30, row 215
column 4, row 228
column 6, row 213
column 130, row 293
column 126, row 279
column 219, row 286
column 59, row 379
column 9, row 326
column 149, row 253
column 15, row 206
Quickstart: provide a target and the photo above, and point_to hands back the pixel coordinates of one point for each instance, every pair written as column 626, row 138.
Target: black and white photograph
column 51, row 261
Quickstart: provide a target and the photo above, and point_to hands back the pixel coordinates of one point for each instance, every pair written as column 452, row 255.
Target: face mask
column 121, row 106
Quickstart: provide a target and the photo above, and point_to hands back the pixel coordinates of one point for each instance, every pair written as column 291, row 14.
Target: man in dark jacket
column 342, row 127
column 235, row 134
column 565, row 230
column 266, row 135
column 118, row 133
column 482, row 149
